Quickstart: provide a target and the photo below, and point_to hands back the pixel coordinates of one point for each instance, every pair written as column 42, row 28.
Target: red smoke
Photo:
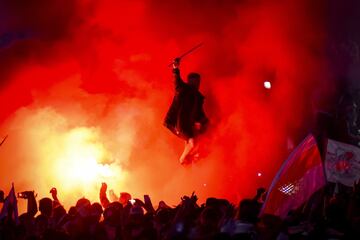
column 98, row 70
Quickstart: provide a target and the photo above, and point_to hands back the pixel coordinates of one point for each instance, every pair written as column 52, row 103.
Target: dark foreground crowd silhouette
column 332, row 213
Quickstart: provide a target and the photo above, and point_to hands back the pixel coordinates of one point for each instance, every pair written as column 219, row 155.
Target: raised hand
column 26, row 194
column 53, row 192
column 194, row 197
column 102, row 195
column 176, row 63
column 103, row 187
column 138, row 202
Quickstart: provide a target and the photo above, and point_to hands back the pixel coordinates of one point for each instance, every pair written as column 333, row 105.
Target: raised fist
column 176, row 63
column 53, row 191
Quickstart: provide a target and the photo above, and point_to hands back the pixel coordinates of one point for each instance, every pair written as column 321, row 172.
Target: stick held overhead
column 1, row 143
column 188, row 52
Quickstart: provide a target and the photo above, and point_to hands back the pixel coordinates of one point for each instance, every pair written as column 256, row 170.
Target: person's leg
column 194, row 153
column 189, row 146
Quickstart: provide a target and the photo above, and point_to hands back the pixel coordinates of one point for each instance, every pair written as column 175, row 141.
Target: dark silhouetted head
column 248, row 211
column 82, row 202
column 124, row 198
column 45, row 206
column 96, row 210
column 73, row 211
column 83, row 207
column 193, row 80
column 112, row 214
column 58, row 212
column 210, row 217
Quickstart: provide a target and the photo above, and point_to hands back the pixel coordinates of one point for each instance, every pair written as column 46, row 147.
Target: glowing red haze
column 85, row 87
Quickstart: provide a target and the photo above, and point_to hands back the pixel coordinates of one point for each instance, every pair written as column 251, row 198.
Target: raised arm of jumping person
column 178, row 82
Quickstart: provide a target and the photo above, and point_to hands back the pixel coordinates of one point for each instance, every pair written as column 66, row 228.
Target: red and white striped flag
column 300, row 176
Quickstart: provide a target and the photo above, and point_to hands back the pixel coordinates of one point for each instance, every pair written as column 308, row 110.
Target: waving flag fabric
column 10, row 206
column 301, row 175
column 342, row 163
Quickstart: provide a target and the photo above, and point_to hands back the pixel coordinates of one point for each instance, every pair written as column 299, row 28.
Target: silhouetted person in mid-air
column 186, row 117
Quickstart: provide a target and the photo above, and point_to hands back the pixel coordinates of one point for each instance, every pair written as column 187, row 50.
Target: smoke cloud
column 85, row 86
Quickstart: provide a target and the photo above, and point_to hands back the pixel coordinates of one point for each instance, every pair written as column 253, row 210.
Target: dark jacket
column 186, row 109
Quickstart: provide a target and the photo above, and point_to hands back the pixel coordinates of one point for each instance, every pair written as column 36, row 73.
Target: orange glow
column 79, row 161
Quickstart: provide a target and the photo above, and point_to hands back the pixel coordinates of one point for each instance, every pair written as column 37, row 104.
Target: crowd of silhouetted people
column 330, row 214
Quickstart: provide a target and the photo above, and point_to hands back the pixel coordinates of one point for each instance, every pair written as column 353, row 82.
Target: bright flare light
column 82, row 161
column 267, row 85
